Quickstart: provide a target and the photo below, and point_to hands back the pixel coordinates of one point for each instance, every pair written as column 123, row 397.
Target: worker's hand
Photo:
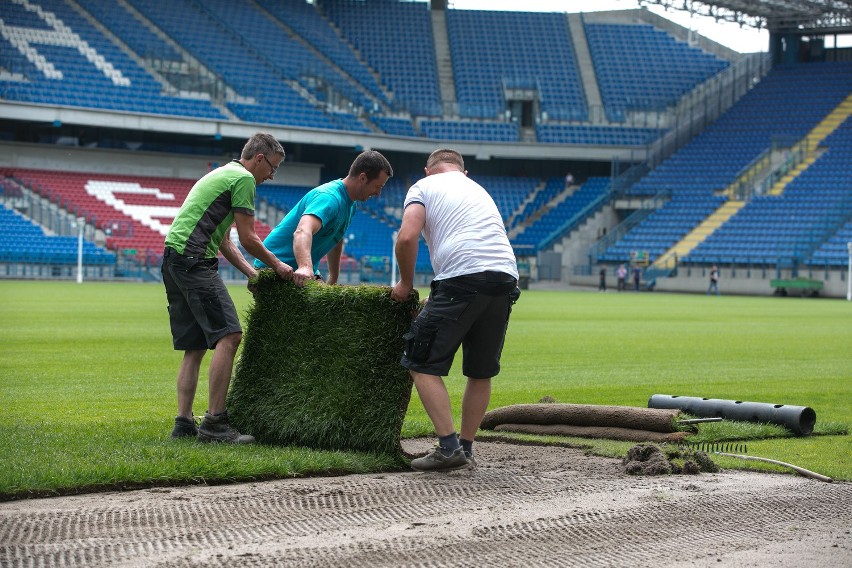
column 401, row 291
column 284, row 271
column 302, row 275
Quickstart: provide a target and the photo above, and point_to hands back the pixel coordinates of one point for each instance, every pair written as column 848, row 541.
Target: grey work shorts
column 471, row 312
column 201, row 311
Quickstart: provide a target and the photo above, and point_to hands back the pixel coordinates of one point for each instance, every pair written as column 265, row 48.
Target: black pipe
column 798, row 419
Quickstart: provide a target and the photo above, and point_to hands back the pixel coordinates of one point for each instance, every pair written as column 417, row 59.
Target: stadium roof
column 818, row 17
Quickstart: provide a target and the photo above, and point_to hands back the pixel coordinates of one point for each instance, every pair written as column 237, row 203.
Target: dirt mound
column 650, row 459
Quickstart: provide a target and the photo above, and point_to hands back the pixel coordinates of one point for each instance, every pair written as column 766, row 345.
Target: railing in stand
column 617, row 187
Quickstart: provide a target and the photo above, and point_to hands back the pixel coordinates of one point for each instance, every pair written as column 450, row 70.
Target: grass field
column 87, row 379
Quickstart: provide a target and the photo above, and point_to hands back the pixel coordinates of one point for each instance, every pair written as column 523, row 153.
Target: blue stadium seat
column 23, row 241
column 531, row 51
column 531, row 237
column 639, row 67
column 405, row 58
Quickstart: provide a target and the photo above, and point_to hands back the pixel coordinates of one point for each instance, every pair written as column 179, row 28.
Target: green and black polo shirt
column 208, row 212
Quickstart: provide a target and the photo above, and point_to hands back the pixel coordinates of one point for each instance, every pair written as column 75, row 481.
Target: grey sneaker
column 436, row 461
column 184, row 428
column 215, row 428
column 471, row 460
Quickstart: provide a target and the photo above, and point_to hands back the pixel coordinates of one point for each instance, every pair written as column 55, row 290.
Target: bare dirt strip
column 522, row 506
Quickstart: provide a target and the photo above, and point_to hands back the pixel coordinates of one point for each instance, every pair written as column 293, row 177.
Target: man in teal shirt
column 315, row 227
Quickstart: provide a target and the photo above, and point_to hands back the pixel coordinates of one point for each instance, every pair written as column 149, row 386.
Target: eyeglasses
column 273, row 168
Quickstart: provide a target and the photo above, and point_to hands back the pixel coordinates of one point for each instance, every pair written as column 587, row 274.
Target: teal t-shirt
column 331, row 204
column 208, row 211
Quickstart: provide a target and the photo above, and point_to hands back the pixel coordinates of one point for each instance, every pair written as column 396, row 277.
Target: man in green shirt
column 201, row 312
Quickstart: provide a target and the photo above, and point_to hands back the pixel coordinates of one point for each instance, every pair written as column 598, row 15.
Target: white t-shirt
column 464, row 229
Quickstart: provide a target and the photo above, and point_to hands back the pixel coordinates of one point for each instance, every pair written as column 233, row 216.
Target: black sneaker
column 184, row 428
column 215, row 428
column 437, row 461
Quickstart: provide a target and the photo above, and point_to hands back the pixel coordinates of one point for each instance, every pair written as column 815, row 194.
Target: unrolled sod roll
column 625, row 434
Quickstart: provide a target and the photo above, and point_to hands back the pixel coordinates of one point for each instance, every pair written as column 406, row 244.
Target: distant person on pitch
column 714, row 280
column 621, row 274
column 201, row 312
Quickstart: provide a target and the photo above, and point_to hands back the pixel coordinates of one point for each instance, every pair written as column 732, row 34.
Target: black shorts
column 201, row 311
column 470, row 311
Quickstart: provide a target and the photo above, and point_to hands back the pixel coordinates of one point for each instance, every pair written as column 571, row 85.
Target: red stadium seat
column 134, row 212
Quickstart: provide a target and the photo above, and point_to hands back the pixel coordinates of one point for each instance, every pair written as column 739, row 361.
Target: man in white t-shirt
column 473, row 291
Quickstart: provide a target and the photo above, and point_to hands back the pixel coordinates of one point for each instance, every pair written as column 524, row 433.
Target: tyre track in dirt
column 523, row 506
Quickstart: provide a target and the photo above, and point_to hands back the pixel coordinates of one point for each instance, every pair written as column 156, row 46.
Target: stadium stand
column 263, row 76
column 308, row 23
column 836, row 175
column 663, row 228
column 835, row 251
column 331, row 65
column 22, row 241
column 552, row 188
column 788, row 228
column 80, row 67
column 532, row 236
column 405, row 58
column 368, row 236
column 305, row 65
column 696, row 174
column 284, row 197
column 639, row 67
column 534, row 51
column 508, row 192
column 133, row 212
column 387, row 207
column 286, row 55
column 137, row 36
column 774, row 108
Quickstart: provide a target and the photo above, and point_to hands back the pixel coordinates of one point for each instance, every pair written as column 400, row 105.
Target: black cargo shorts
column 201, row 311
column 470, row 311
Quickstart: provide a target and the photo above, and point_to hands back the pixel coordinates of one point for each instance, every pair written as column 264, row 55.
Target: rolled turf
column 586, row 421
column 320, row 367
column 650, row 419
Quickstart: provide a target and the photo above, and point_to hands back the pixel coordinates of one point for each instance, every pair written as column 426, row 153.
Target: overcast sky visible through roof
column 743, row 40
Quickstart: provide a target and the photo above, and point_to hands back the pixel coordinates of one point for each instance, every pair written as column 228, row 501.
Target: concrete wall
column 575, row 247
column 44, row 114
column 737, row 281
